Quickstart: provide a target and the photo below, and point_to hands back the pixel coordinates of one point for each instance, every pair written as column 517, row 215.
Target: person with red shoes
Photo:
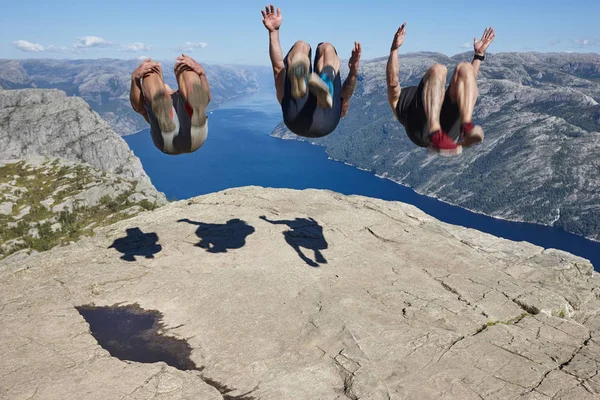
column 435, row 117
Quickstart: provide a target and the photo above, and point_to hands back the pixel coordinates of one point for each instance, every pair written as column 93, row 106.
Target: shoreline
column 382, row 176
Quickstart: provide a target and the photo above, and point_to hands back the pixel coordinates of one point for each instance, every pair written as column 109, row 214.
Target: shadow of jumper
column 307, row 233
column 218, row 238
column 137, row 243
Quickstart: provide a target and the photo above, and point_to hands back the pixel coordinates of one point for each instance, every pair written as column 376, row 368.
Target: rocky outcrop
column 539, row 160
column 47, row 202
column 35, row 122
column 281, row 294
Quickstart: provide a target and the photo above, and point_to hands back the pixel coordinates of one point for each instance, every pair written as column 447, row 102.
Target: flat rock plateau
column 259, row 293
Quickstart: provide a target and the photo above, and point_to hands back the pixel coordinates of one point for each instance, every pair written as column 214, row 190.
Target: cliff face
column 279, row 294
column 63, row 172
column 35, row 122
column 539, row 162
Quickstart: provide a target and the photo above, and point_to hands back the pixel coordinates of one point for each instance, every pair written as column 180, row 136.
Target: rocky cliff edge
column 280, row 294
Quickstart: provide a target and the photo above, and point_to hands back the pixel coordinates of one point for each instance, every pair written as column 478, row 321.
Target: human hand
column 488, row 37
column 146, row 68
column 271, row 18
column 354, row 61
column 187, row 63
column 399, row 37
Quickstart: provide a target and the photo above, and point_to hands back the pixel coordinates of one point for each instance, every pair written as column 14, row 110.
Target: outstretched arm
column 393, row 69
column 136, row 95
column 264, row 218
column 272, row 21
column 350, row 83
column 189, row 221
column 481, row 46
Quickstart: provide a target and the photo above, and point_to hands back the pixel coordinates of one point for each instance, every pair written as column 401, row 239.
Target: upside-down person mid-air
column 433, row 116
column 312, row 101
column 177, row 118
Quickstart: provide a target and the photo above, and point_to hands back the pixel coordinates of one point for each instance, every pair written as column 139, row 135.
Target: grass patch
column 33, row 187
column 512, row 321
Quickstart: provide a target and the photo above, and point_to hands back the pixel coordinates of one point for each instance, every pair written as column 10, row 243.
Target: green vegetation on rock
column 55, row 203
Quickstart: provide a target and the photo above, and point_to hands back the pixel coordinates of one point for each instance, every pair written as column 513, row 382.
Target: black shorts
column 411, row 113
column 302, row 116
column 186, row 139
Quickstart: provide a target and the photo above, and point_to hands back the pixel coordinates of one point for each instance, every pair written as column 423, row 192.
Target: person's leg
column 434, row 84
column 297, row 112
column 463, row 92
column 327, row 56
column 159, row 100
column 297, row 68
column 327, row 67
column 194, row 91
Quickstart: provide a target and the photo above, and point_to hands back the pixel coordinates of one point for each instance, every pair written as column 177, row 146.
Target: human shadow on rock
column 137, row 243
column 218, row 238
column 306, row 233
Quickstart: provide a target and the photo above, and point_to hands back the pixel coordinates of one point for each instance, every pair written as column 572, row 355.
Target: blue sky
column 231, row 31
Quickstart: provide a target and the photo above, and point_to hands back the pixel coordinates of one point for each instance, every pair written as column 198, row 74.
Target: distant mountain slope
column 105, row 83
column 38, row 122
column 63, row 172
column 541, row 158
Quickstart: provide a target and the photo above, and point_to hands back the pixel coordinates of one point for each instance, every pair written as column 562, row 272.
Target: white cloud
column 466, row 45
column 56, row 48
column 141, row 58
column 24, row 45
column 189, row 46
column 133, row 47
column 586, row 42
column 91, row 41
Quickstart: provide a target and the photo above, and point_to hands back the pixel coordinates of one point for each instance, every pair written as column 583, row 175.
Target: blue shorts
column 302, row 116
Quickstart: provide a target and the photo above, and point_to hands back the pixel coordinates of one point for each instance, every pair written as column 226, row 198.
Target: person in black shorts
column 312, row 100
column 434, row 117
column 177, row 118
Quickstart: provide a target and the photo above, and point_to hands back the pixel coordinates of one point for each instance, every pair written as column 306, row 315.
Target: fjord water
column 240, row 152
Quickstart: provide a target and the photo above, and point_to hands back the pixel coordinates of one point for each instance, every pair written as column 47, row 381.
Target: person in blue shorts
column 312, row 97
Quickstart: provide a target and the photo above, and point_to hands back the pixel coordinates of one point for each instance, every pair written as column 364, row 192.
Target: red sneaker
column 443, row 144
column 471, row 134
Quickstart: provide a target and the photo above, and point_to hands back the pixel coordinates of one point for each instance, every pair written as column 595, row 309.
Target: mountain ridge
column 105, row 83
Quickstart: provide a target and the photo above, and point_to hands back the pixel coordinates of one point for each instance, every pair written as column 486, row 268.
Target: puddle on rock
column 131, row 333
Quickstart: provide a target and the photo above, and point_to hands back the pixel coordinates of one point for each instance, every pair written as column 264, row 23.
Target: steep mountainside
column 63, row 172
column 271, row 294
column 539, row 162
column 105, row 83
column 48, row 123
